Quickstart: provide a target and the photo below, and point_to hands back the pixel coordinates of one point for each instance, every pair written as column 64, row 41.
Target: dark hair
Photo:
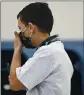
column 39, row 14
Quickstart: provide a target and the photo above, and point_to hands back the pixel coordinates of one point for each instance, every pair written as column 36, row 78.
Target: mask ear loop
column 24, row 31
column 30, row 35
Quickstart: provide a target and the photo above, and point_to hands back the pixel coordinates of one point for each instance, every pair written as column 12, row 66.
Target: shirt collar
column 49, row 40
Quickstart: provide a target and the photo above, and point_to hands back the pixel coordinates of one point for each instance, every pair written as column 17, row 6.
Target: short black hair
column 39, row 14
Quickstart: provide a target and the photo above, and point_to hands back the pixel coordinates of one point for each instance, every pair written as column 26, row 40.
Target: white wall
column 68, row 19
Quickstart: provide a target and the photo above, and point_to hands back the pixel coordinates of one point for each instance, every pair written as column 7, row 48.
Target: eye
column 19, row 28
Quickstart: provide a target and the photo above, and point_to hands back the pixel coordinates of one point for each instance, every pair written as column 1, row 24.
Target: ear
column 32, row 27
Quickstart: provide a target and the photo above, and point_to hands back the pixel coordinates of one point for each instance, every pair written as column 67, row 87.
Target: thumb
column 16, row 34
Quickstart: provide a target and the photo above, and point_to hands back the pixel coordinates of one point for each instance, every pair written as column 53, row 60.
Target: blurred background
column 68, row 23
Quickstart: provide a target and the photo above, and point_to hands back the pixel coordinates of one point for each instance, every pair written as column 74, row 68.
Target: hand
column 17, row 42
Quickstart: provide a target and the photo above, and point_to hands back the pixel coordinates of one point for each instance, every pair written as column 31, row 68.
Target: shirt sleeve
column 36, row 69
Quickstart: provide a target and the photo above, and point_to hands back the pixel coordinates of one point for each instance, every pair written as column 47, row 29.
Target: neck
column 42, row 38
column 39, row 38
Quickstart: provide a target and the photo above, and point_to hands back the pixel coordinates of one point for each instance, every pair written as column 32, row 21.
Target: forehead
column 21, row 24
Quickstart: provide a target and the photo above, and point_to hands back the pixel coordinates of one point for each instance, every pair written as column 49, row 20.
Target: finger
column 16, row 34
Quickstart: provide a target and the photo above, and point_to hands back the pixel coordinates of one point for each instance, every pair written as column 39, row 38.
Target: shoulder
column 43, row 50
column 50, row 50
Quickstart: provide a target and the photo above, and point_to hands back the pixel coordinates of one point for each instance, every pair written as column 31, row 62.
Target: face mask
column 25, row 41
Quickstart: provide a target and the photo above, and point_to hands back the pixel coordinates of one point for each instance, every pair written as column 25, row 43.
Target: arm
column 36, row 69
column 15, row 84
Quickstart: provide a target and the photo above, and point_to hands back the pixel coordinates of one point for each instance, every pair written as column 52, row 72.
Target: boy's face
column 24, row 28
column 28, row 31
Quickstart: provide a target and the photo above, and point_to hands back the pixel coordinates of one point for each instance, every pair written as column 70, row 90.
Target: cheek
column 27, row 33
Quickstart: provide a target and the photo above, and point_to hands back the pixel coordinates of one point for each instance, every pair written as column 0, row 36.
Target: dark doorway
column 76, row 87
column 6, row 57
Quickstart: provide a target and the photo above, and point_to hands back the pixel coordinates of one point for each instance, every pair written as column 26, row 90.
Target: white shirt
column 48, row 72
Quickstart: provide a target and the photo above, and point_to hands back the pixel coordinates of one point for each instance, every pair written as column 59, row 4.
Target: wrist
column 19, row 49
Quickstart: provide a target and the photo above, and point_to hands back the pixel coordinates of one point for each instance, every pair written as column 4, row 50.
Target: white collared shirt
column 48, row 72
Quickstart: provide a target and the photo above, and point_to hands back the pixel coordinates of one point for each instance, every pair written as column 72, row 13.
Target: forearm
column 16, row 61
column 15, row 84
